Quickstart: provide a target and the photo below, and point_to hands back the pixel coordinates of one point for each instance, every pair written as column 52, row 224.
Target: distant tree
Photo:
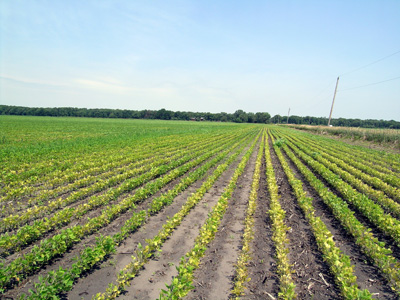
column 277, row 119
column 251, row 117
column 262, row 117
column 224, row 117
column 181, row 115
column 148, row 114
column 208, row 116
column 295, row 120
column 240, row 116
column 164, row 114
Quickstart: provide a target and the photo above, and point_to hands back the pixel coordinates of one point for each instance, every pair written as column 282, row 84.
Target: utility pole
column 288, row 116
column 333, row 102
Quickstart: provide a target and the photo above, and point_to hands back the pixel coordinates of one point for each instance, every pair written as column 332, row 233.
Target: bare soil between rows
column 112, row 228
column 215, row 277
column 368, row 276
column 311, row 274
column 160, row 270
column 152, row 280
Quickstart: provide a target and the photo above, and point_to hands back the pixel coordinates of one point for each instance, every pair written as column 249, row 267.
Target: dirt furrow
column 112, row 228
column 262, row 269
column 368, row 276
column 311, row 274
column 389, row 241
column 214, row 278
column 149, row 282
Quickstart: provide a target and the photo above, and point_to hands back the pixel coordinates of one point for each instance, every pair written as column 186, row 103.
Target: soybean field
column 149, row 209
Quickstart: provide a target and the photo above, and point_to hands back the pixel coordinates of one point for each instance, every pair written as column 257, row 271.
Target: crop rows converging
column 131, row 209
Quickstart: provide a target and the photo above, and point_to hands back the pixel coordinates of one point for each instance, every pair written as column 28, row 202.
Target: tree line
column 163, row 114
column 239, row 116
column 339, row 122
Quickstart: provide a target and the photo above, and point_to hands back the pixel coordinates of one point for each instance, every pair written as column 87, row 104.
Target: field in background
column 138, row 209
column 385, row 137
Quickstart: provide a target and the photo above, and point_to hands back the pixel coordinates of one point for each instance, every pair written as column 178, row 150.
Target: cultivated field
column 390, row 138
column 131, row 209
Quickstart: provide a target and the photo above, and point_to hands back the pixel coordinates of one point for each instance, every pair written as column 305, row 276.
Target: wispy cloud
column 102, row 85
column 33, row 81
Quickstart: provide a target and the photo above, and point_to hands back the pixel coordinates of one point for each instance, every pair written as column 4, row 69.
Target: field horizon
column 152, row 209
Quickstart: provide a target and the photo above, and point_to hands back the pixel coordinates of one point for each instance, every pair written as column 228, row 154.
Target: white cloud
column 112, row 86
column 32, row 81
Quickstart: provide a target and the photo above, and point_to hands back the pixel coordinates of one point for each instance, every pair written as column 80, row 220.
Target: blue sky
column 208, row 56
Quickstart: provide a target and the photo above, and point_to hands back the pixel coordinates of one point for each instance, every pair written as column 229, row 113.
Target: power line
column 357, row 87
column 317, row 102
column 374, row 83
column 367, row 65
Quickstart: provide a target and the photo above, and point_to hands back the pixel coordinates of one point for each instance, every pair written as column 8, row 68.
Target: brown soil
column 262, row 269
column 311, row 274
column 112, row 228
column 389, row 241
column 367, row 275
column 149, row 282
column 215, row 276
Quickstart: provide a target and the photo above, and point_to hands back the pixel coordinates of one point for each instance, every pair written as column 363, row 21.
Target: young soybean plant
column 241, row 276
column 183, row 282
column 279, row 229
column 339, row 263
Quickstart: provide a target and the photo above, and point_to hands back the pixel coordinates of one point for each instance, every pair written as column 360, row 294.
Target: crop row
column 143, row 254
column 339, row 263
column 62, row 280
column 53, row 172
column 241, row 271
column 372, row 211
column 359, row 168
column 82, row 178
column 336, row 166
column 372, row 163
column 370, row 245
column 279, row 229
column 183, row 282
column 29, row 233
column 61, row 177
column 59, row 243
column 17, row 220
column 46, row 169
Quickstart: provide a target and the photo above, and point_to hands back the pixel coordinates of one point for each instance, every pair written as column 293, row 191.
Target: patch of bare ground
column 368, row 276
column 264, row 281
column 160, row 270
column 112, row 228
column 214, row 278
column 311, row 274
